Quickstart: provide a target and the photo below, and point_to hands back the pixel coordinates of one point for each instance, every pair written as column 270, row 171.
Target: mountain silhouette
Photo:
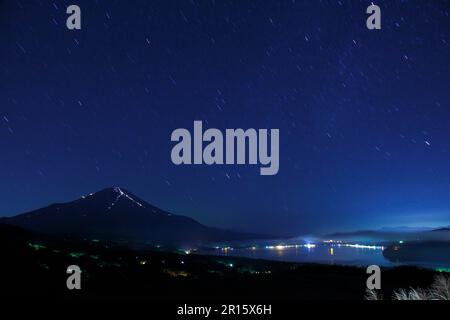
column 392, row 234
column 116, row 214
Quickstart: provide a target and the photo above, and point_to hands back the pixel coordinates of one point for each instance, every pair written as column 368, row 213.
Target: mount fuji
column 116, row 214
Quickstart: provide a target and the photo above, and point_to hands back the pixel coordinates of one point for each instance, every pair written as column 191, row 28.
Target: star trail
column 364, row 115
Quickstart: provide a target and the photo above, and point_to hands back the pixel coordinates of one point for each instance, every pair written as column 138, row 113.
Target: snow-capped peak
column 123, row 194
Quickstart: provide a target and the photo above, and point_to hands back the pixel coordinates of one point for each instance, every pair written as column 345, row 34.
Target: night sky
column 364, row 116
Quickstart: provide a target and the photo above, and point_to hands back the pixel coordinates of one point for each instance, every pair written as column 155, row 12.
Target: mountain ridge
column 392, row 234
column 116, row 214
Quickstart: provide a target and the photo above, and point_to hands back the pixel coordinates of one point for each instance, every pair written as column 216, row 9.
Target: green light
column 76, row 254
column 36, row 246
column 443, row 270
column 108, row 264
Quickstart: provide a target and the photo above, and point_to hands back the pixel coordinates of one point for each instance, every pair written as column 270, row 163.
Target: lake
column 353, row 255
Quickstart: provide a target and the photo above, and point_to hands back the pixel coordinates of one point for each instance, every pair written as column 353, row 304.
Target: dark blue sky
column 364, row 116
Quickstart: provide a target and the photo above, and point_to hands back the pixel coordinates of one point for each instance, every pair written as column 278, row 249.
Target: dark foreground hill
column 35, row 266
column 116, row 214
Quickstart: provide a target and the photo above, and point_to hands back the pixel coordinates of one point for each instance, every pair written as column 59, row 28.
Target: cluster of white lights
column 283, row 247
column 358, row 246
column 362, row 246
column 308, row 246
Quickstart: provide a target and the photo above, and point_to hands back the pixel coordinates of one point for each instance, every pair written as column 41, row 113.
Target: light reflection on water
column 321, row 253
